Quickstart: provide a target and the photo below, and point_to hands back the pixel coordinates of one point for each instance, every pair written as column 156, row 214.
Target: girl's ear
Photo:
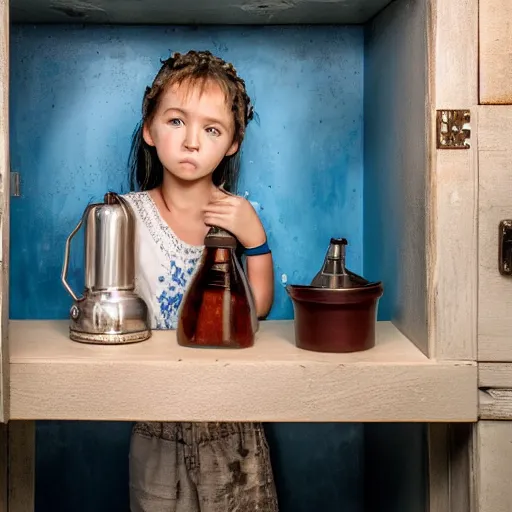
column 146, row 135
column 233, row 149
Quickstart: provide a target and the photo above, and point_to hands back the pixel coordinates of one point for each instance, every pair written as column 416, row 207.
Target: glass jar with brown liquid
column 218, row 307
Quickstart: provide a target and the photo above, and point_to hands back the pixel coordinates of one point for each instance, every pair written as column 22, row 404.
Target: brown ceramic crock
column 337, row 312
column 335, row 320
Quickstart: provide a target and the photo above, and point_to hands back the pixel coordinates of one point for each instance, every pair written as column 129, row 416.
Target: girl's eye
column 213, row 131
column 175, row 122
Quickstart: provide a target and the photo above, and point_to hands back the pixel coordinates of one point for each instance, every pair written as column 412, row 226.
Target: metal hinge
column 15, row 184
column 453, row 129
column 505, row 247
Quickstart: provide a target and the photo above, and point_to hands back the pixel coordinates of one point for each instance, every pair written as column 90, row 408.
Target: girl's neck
column 185, row 197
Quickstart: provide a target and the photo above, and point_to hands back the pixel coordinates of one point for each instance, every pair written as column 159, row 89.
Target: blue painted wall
column 76, row 95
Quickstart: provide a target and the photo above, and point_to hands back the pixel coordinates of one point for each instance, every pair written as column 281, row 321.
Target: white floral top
column 164, row 264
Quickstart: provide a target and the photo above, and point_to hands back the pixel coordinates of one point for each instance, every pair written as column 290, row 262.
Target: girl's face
column 192, row 130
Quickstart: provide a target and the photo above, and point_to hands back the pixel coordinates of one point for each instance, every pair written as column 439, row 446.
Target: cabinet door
column 493, row 469
column 4, row 209
column 496, row 51
column 495, row 205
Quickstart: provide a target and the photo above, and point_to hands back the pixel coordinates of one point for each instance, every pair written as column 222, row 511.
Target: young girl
column 184, row 155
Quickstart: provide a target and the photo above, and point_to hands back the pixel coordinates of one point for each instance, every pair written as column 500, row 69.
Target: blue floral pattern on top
column 174, row 283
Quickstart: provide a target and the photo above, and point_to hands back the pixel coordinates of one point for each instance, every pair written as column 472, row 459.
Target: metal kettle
column 109, row 311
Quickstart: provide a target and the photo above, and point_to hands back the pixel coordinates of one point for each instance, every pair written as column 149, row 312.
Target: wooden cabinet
column 431, row 233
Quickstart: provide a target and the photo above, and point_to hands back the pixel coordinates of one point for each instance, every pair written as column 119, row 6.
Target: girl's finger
column 218, row 208
column 216, row 219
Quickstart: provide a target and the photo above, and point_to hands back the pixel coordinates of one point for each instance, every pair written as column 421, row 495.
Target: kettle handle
column 66, row 258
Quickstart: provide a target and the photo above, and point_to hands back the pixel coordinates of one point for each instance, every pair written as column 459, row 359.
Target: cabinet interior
column 338, row 147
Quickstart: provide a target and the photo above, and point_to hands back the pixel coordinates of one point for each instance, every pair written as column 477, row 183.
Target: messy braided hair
column 196, row 68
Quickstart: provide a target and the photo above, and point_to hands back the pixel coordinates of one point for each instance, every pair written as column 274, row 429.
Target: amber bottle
column 218, row 307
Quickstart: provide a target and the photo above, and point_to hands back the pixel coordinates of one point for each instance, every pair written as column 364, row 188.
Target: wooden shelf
column 53, row 377
column 195, row 12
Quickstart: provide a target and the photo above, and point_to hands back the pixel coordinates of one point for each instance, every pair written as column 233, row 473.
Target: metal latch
column 15, row 184
column 505, row 248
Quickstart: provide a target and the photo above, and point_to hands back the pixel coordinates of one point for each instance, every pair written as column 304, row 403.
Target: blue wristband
column 258, row 251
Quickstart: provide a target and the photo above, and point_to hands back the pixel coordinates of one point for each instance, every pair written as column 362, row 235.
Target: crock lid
column 334, row 274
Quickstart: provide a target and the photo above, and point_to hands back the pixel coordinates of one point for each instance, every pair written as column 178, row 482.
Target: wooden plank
column 495, row 204
column 4, row 209
column 4, row 464
column 451, row 475
column 495, row 404
column 17, row 466
column 452, row 232
column 494, row 125
column 456, row 53
column 462, row 460
column 21, row 466
column 55, row 378
column 438, row 468
column 452, row 279
column 493, row 468
column 496, row 52
column 495, row 375
column 395, row 161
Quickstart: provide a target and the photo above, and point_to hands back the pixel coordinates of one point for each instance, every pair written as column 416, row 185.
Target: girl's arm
column 238, row 216
column 260, row 272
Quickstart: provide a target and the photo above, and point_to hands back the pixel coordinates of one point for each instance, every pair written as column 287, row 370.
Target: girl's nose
column 192, row 139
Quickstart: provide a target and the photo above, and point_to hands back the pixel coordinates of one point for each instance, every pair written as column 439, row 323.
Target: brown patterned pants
column 200, row 467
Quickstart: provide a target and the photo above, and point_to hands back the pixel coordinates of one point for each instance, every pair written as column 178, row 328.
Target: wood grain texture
column 494, row 470
column 4, row 209
column 55, row 378
column 396, row 159
column 495, row 404
column 438, row 468
column 451, row 467
column 456, row 53
column 495, row 204
column 21, row 466
column 496, row 52
column 452, row 263
column 4, row 465
column 495, row 375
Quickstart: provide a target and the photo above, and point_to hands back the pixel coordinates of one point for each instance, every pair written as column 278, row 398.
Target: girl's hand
column 236, row 215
